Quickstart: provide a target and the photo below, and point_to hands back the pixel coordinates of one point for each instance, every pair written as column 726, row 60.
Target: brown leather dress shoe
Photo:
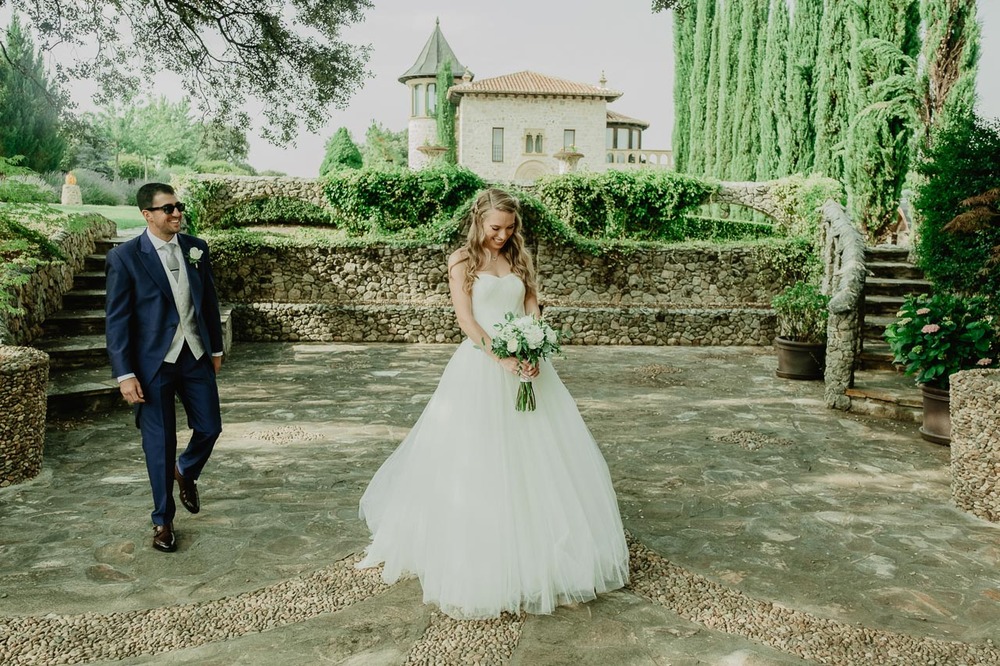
column 163, row 538
column 188, row 492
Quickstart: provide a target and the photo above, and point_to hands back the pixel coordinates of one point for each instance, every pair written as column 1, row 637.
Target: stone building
column 518, row 127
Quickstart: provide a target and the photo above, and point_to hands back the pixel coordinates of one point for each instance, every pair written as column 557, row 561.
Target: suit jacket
column 141, row 315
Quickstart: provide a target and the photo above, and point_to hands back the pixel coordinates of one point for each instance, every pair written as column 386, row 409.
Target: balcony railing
column 639, row 158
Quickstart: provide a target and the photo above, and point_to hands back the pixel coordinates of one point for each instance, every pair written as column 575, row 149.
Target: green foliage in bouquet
column 529, row 339
column 936, row 336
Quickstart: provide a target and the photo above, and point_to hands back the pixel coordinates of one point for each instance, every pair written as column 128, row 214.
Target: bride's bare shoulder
column 457, row 257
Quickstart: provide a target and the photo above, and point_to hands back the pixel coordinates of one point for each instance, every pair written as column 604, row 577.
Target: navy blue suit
column 142, row 319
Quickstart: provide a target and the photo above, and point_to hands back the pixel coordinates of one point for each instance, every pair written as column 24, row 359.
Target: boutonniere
column 194, row 256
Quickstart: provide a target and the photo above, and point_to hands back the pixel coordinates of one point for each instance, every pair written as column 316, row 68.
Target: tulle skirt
column 493, row 509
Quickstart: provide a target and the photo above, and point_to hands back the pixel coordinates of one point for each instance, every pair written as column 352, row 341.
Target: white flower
column 534, row 335
column 551, row 336
column 512, row 345
column 194, row 255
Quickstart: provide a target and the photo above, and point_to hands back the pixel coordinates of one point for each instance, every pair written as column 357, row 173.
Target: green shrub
column 376, row 201
column 961, row 163
column 21, row 250
column 223, row 167
column 801, row 200
column 18, row 189
column 645, row 204
column 130, row 167
column 802, row 311
column 275, row 210
column 98, row 190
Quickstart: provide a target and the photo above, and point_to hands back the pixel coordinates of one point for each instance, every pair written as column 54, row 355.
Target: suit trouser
column 193, row 381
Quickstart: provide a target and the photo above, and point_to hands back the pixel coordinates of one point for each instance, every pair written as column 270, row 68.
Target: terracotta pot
column 937, row 417
column 800, row 360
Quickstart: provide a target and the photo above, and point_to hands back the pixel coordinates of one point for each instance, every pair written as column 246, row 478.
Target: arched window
column 529, row 144
column 432, row 99
column 538, row 143
column 418, row 91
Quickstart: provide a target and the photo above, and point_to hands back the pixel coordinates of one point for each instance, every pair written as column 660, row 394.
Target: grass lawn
column 127, row 217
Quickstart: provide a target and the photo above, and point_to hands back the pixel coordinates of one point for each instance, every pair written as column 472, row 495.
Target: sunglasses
column 169, row 209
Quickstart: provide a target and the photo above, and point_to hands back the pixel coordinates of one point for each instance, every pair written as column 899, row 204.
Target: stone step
column 83, row 390
column 896, row 286
column 89, row 281
column 894, row 269
column 77, row 351
column 886, row 394
column 94, row 262
column 67, row 323
column 877, row 356
column 102, row 245
column 875, row 325
column 886, row 253
column 84, row 299
column 877, row 305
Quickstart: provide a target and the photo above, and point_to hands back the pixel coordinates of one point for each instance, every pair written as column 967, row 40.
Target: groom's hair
column 144, row 197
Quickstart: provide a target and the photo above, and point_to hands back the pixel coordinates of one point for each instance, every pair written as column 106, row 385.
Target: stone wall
column 697, row 295
column 24, row 374
column 42, row 294
column 975, row 442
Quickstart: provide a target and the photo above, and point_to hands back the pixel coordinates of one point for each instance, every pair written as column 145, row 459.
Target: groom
column 164, row 338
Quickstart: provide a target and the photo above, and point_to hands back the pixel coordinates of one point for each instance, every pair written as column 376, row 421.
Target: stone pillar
column 71, row 195
column 24, row 376
column 975, row 442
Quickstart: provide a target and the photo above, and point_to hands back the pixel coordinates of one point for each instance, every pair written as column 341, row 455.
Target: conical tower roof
column 435, row 52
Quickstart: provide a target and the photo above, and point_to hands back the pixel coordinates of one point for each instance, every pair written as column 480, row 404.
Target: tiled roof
column 621, row 119
column 531, row 83
column 435, row 52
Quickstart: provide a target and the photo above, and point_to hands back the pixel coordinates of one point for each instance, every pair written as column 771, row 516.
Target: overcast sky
column 575, row 41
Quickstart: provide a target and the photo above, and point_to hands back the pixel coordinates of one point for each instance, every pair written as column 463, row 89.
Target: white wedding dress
column 494, row 509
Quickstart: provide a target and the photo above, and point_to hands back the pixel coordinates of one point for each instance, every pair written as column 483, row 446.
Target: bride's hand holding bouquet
column 528, row 339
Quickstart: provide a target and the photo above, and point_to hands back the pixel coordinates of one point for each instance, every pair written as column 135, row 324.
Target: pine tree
column 446, row 114
column 885, row 43
column 745, row 129
column 833, row 94
column 711, row 98
column 684, row 27
column 30, row 104
column 729, row 44
column 341, row 153
column 774, row 117
column 700, row 69
column 951, row 56
column 798, row 146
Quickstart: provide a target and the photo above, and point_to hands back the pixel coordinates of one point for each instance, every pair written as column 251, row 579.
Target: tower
column 421, row 80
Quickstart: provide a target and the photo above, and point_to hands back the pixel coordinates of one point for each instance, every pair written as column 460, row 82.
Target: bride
column 493, row 509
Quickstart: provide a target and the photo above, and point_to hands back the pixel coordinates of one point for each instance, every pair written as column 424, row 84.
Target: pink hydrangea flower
column 923, row 311
column 930, row 328
column 984, row 361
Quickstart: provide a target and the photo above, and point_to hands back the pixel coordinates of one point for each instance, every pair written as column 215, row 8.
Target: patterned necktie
column 172, row 263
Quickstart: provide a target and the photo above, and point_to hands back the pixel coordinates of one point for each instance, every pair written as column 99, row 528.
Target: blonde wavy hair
column 514, row 249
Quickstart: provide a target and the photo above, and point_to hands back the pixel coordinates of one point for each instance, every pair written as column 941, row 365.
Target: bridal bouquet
column 528, row 339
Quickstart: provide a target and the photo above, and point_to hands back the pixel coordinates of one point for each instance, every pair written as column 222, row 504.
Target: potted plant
column 802, row 311
column 934, row 337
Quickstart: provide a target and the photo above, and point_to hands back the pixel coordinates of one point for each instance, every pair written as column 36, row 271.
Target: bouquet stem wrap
column 525, row 396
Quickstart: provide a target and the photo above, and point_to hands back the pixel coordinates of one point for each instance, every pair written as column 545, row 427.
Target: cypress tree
column 798, row 146
column 341, row 153
column 726, row 114
column 30, row 104
column 745, row 129
column 700, row 69
column 445, row 114
column 774, row 116
column 711, row 97
column 684, row 25
column 833, row 94
column 951, row 56
column 885, row 43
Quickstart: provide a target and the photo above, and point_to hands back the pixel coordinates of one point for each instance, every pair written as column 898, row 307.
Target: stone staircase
column 79, row 374
column 880, row 388
column 891, row 279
